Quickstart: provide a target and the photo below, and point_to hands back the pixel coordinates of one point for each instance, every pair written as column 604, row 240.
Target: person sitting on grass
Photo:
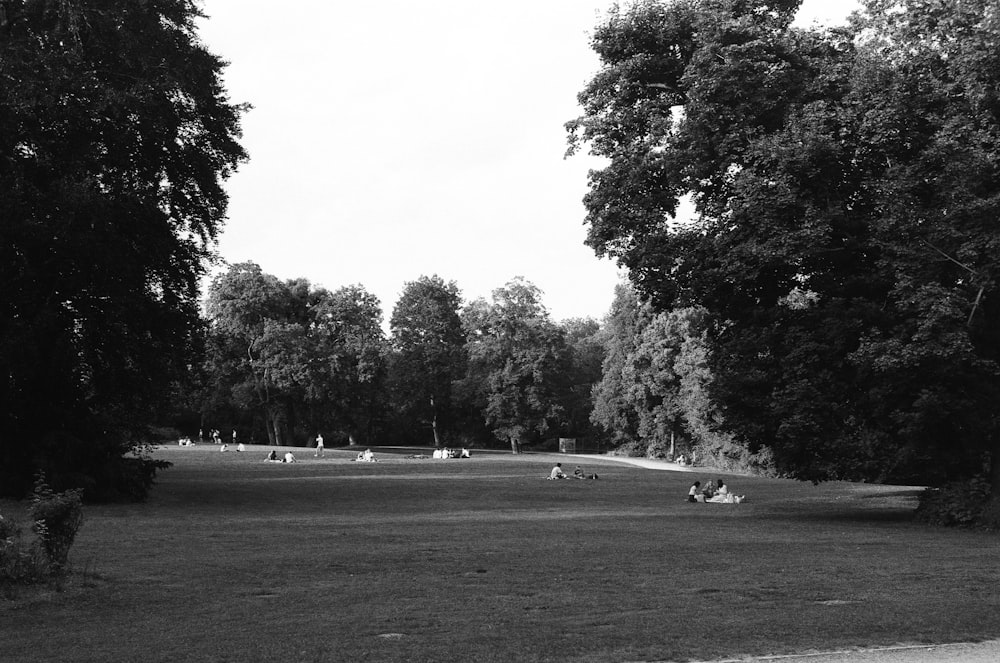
column 721, row 493
column 366, row 456
column 289, row 458
column 578, row 474
column 724, row 496
column 709, row 490
column 693, row 492
column 557, row 472
column 272, row 457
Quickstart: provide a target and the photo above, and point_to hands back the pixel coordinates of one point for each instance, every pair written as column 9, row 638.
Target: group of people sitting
column 713, row 493
column 272, row 457
column 366, row 456
column 557, row 473
column 451, row 453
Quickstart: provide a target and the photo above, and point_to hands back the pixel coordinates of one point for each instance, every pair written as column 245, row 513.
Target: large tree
column 844, row 239
column 517, row 363
column 429, row 345
column 294, row 355
column 115, row 134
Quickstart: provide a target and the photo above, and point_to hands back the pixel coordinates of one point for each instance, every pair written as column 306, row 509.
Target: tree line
column 844, row 243
column 284, row 361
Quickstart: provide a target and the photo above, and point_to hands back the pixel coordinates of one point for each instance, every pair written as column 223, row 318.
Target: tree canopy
column 429, row 343
column 115, row 134
column 294, row 355
column 845, row 194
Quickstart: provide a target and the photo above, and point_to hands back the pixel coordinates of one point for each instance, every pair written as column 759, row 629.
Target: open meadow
column 483, row 559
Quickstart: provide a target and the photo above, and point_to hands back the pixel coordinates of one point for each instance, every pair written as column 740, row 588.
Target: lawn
column 482, row 559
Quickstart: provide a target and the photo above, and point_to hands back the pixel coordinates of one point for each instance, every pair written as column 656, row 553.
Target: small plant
column 20, row 564
column 57, row 518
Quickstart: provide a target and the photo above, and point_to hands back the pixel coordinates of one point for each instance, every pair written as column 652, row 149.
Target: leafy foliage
column 115, row 133
column 428, row 342
column 516, row 356
column 57, row 518
column 294, row 353
column 958, row 504
column 846, row 194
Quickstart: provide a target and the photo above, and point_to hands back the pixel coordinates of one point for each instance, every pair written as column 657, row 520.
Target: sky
column 397, row 139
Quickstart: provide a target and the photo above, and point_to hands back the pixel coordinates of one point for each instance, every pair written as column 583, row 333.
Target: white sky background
column 394, row 139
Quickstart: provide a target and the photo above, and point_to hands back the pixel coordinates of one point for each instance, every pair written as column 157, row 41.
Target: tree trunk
column 515, row 445
column 269, row 427
column 995, row 472
column 434, row 425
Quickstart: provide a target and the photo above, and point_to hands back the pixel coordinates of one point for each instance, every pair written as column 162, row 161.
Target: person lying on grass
column 578, row 474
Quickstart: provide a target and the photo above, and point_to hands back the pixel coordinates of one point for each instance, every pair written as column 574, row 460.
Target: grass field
column 482, row 559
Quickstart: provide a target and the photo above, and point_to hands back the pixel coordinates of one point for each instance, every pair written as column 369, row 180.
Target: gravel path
column 961, row 652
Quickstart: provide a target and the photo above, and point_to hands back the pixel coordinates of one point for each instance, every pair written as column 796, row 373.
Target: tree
column 429, row 342
column 115, row 134
column 293, row 352
column 348, row 360
column 257, row 331
column 584, row 358
column 845, row 189
column 613, row 410
column 516, row 361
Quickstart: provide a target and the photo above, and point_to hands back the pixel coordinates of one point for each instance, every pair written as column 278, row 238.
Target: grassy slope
column 482, row 559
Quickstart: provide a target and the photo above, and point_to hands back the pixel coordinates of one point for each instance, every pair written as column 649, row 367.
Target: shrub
column 57, row 517
column 957, row 504
column 20, row 563
column 724, row 453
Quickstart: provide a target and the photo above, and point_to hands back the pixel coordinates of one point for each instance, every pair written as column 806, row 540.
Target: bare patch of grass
column 483, row 559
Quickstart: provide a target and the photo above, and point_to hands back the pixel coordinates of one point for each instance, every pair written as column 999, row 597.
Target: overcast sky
column 394, row 139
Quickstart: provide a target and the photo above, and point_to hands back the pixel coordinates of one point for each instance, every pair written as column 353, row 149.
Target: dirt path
column 960, row 652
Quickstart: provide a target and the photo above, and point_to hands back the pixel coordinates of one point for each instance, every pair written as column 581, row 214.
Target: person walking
column 319, row 446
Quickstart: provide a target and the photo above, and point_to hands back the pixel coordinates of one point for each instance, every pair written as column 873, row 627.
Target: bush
column 958, row 504
column 57, row 517
column 20, row 563
column 723, row 453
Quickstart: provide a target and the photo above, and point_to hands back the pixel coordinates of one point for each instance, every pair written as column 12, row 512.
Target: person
column 319, row 445
column 369, row 456
column 557, row 472
column 224, row 447
column 578, row 473
column 289, row 458
column 693, row 492
column 240, row 448
column 725, row 496
column 272, row 456
column 709, row 490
